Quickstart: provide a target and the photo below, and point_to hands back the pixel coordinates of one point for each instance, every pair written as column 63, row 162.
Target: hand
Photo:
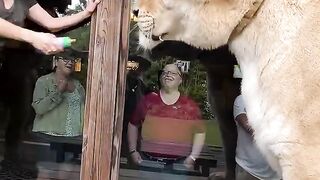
column 189, row 163
column 136, row 158
column 46, row 43
column 92, row 5
column 62, row 85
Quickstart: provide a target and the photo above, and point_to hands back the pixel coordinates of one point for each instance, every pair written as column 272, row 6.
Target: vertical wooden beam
column 105, row 91
column 121, row 87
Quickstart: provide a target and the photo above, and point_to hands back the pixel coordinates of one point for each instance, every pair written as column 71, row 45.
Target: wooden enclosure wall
column 105, row 91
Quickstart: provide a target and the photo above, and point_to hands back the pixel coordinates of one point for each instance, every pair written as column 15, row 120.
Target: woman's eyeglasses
column 170, row 72
column 66, row 60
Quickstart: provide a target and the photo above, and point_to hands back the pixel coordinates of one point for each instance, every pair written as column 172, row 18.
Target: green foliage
column 213, row 136
column 195, row 86
column 194, row 82
column 82, row 35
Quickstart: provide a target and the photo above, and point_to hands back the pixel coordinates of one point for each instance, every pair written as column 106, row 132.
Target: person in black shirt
column 135, row 90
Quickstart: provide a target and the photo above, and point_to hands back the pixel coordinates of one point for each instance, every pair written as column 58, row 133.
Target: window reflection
column 58, row 101
column 135, row 90
column 166, row 129
column 16, row 78
column 41, row 131
column 169, row 122
column 41, row 123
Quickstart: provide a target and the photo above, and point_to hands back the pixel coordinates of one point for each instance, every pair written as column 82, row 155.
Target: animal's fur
column 278, row 53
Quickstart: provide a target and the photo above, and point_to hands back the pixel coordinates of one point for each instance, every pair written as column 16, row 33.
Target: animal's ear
column 135, row 12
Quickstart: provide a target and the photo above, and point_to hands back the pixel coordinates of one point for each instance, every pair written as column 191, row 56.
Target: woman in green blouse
column 58, row 101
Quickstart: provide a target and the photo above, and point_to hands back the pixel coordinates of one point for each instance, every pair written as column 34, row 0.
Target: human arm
column 240, row 115
column 198, row 137
column 133, row 133
column 243, row 122
column 44, row 100
column 41, row 41
column 43, row 18
column 198, row 142
column 11, row 31
column 135, row 122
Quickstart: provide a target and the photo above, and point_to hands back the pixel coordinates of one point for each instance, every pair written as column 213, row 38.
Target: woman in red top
column 169, row 121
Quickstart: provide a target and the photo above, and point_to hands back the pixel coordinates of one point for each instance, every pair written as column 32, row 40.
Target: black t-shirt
column 18, row 12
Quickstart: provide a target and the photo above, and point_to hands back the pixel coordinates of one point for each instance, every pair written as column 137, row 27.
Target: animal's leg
column 222, row 92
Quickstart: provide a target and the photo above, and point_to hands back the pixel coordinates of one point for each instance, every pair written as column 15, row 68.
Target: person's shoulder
column 78, row 82
column 238, row 100
column 238, row 106
column 187, row 99
column 29, row 3
column 46, row 77
column 152, row 95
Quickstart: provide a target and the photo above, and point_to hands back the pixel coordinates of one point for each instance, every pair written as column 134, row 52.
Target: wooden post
column 105, row 91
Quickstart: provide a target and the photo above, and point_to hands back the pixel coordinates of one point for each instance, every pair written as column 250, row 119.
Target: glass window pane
column 169, row 130
column 41, row 106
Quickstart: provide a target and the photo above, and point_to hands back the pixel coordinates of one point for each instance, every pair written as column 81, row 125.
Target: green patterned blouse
column 58, row 114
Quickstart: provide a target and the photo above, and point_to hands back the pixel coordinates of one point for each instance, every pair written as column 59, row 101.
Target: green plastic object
column 66, row 42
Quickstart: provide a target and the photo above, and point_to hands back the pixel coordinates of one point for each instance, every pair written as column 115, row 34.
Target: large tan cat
column 278, row 51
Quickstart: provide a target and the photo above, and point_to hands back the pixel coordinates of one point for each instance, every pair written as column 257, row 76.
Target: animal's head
column 205, row 24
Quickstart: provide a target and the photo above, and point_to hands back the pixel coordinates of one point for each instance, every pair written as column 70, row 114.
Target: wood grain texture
column 105, row 91
column 121, row 86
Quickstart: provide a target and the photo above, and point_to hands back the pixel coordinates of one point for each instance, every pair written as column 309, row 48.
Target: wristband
column 132, row 151
column 193, row 158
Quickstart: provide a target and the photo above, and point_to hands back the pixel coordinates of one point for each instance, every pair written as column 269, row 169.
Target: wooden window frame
column 108, row 54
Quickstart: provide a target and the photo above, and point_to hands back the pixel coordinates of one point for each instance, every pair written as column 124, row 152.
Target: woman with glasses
column 58, row 100
column 172, row 129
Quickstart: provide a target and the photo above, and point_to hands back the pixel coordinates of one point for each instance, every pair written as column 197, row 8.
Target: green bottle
column 65, row 42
